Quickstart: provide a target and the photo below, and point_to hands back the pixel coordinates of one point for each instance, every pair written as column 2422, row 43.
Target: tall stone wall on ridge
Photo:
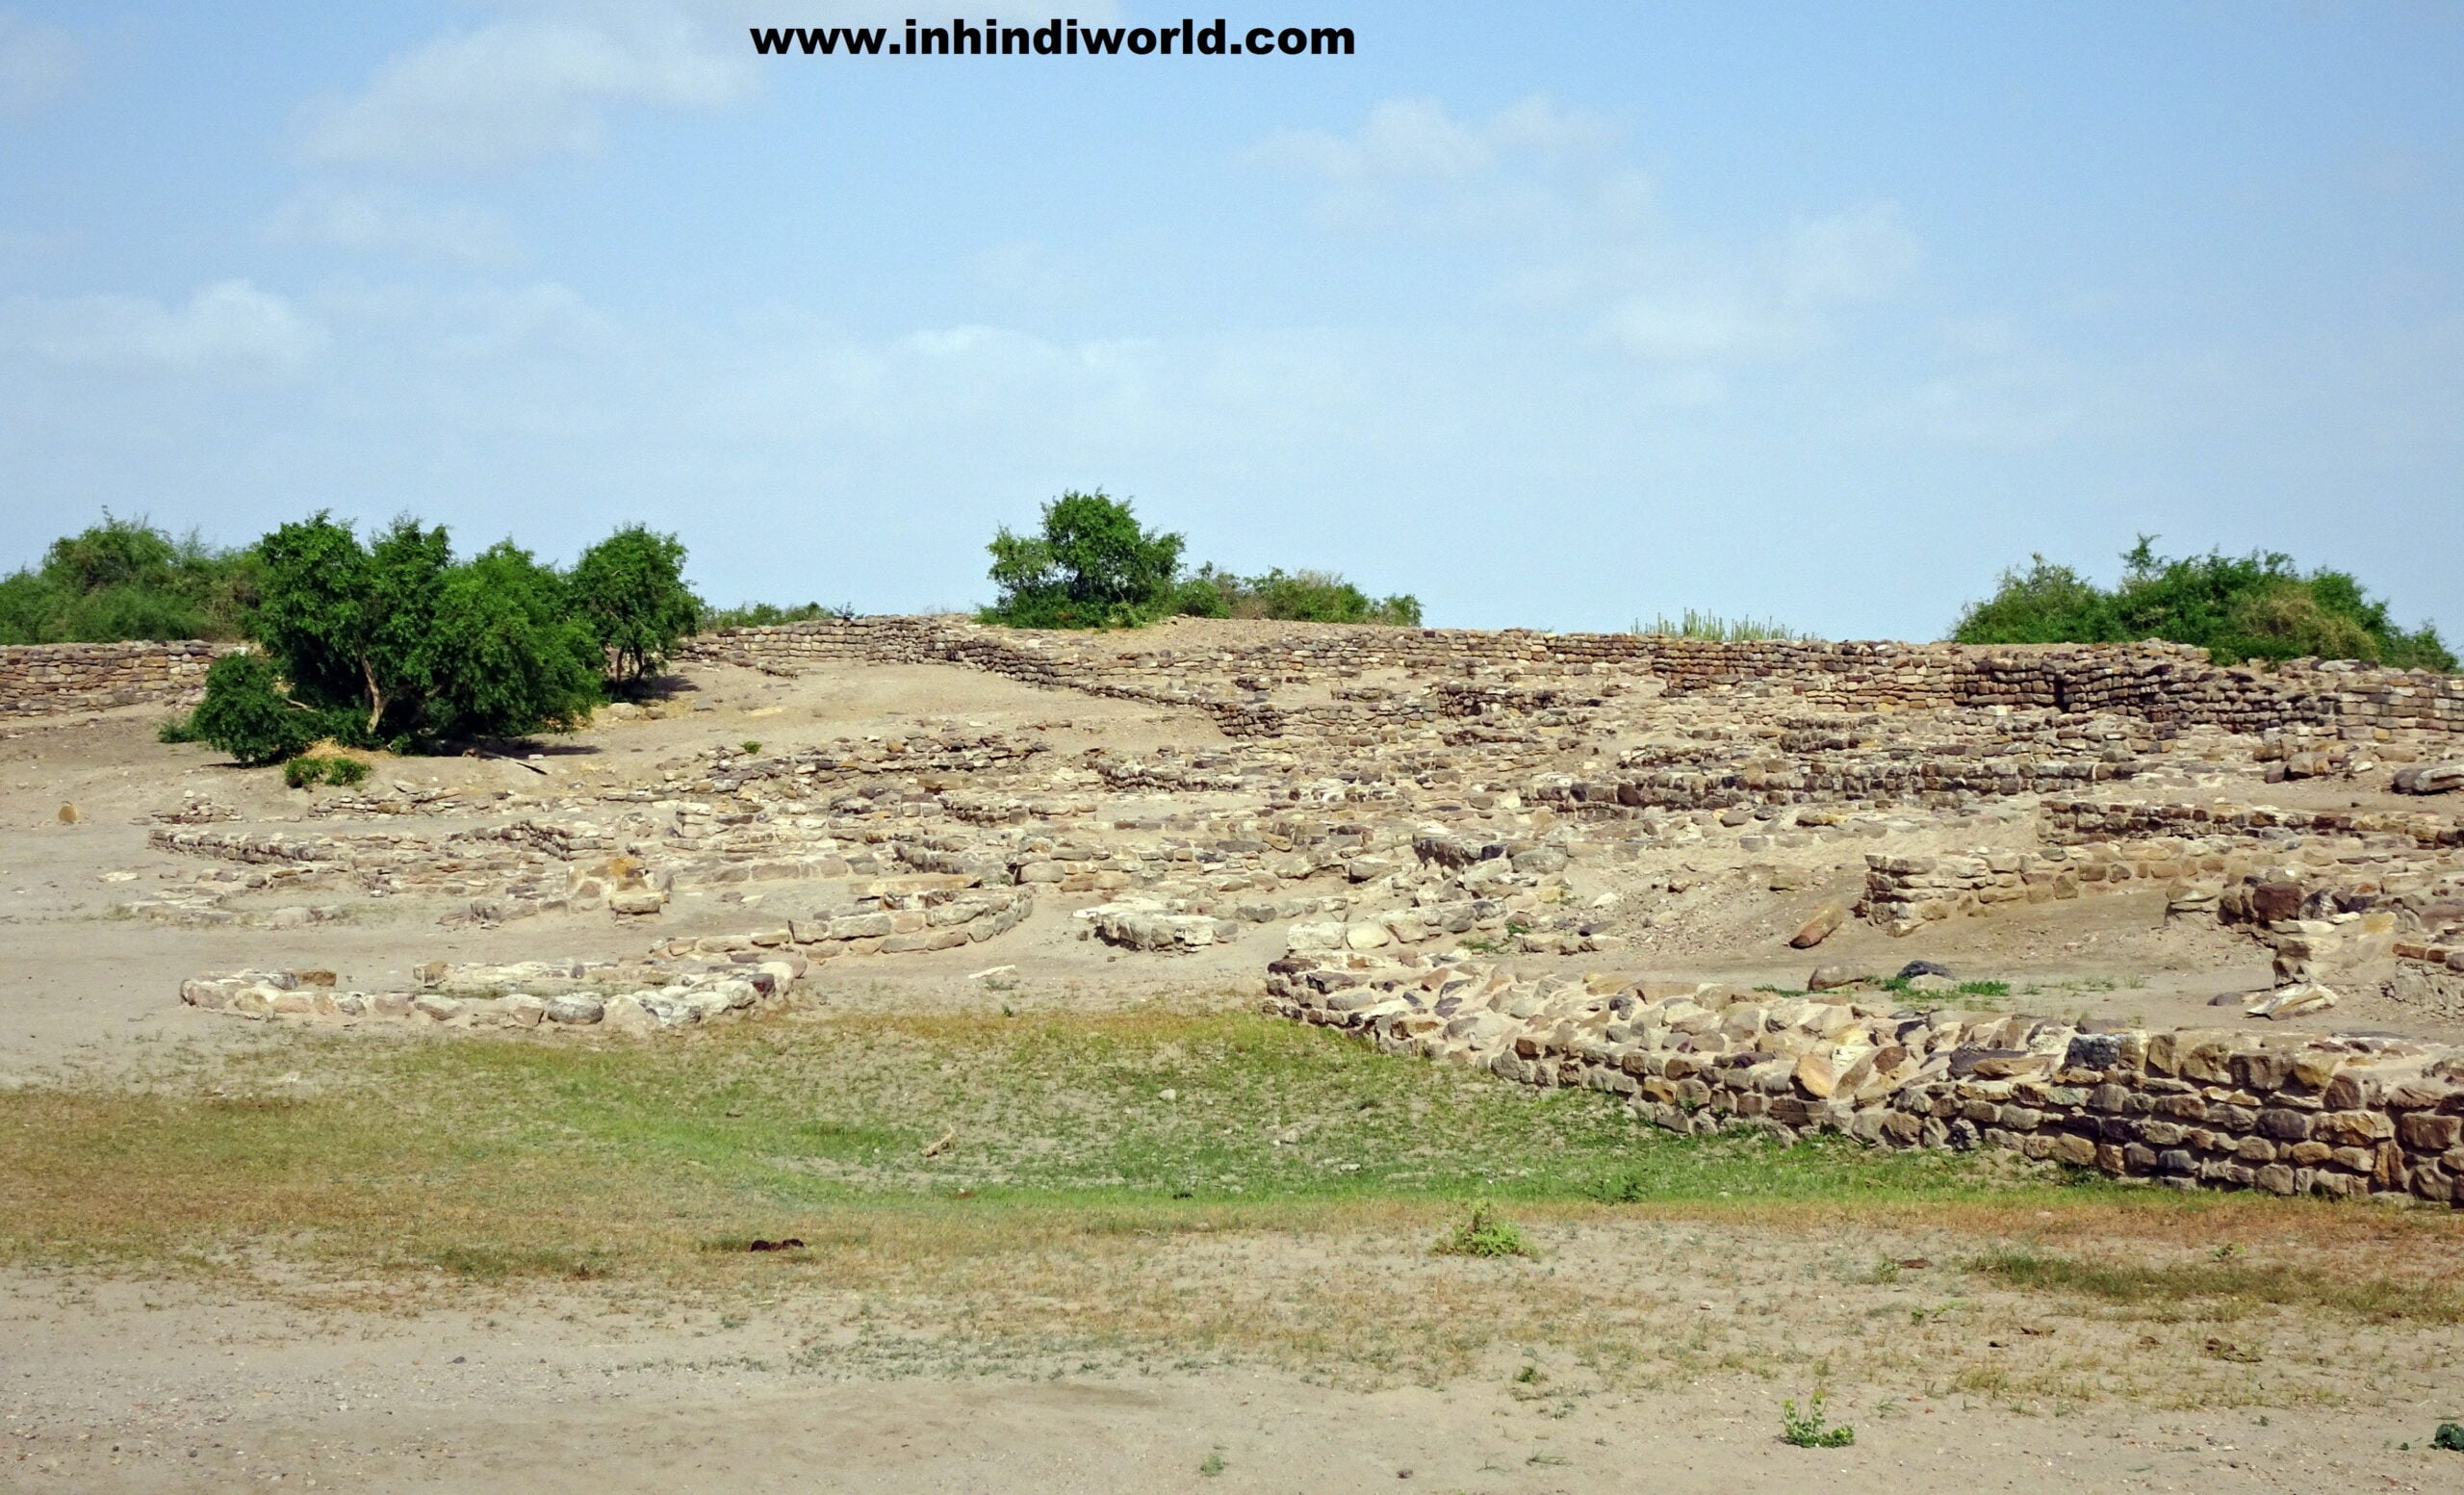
column 2165, row 683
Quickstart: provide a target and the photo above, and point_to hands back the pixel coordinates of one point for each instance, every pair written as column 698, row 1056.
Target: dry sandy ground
column 142, row 1388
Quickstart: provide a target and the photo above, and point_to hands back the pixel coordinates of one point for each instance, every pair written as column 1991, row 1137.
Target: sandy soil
column 149, row 1387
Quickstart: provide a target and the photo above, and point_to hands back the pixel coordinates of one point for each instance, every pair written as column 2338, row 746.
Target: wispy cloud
column 229, row 324
column 526, row 85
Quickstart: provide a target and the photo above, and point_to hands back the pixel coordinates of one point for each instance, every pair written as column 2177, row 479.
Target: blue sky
column 1557, row 318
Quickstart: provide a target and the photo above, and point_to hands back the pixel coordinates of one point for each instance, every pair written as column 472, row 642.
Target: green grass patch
column 2222, row 1286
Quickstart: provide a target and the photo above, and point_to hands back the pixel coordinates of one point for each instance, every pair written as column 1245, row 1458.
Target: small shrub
column 175, row 730
column 303, row 772
column 1212, row 1464
column 1485, row 1234
column 245, row 714
column 750, row 746
column 2450, row 1436
column 345, row 771
column 1810, row 1429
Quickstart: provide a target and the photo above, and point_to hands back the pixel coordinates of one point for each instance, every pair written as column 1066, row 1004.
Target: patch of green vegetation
column 400, row 1150
column 124, row 578
column 1715, row 628
column 2236, row 608
column 1300, row 596
column 2221, row 1286
column 392, row 642
column 306, row 772
column 1486, row 1233
column 1811, row 1429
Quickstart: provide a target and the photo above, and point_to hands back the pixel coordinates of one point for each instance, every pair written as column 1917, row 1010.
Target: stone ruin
column 1480, row 845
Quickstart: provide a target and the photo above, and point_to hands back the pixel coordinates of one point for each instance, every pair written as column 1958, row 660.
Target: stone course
column 43, row 679
column 2345, row 1116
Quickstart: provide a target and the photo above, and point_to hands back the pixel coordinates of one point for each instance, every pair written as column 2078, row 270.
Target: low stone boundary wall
column 883, row 924
column 2288, row 1113
column 38, row 680
column 683, row 999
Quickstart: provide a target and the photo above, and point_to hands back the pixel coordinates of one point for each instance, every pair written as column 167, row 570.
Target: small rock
column 69, row 814
column 1815, row 930
column 1915, row 969
column 1827, row 978
column 2293, row 1001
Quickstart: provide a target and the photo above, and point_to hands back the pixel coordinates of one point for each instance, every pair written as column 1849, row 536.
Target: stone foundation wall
column 2085, row 821
column 38, row 679
column 2291, row 1113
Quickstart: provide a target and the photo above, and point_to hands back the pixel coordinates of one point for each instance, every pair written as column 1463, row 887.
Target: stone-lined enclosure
column 1438, row 837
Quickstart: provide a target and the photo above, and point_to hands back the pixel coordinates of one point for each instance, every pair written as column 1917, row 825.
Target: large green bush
column 125, row 579
column 2238, row 607
column 394, row 643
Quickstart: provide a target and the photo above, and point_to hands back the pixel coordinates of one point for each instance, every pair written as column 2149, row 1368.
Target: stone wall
column 38, row 680
column 2288, row 1113
column 2169, row 685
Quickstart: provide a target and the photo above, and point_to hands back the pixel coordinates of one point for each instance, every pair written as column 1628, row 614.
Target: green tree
column 1091, row 566
column 508, row 655
column 394, row 642
column 630, row 589
column 353, row 625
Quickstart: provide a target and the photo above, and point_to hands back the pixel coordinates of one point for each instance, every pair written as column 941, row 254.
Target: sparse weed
column 1485, row 1233
column 1811, row 1429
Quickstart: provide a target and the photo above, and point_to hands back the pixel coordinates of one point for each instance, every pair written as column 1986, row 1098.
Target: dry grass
column 1277, row 1206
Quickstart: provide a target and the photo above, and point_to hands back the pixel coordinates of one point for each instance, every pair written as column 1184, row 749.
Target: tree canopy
column 394, row 642
column 2238, row 607
column 126, row 579
column 1092, row 565
column 630, row 589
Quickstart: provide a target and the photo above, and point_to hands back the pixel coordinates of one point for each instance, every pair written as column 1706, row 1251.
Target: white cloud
column 229, row 324
column 1702, row 325
column 384, row 220
column 1408, row 137
column 37, row 63
column 1859, row 255
column 527, row 86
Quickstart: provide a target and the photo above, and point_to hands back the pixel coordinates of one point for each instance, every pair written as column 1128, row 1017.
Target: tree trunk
column 375, row 697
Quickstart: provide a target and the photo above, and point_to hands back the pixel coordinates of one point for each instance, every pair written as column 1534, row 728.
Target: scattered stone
column 1818, row 928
